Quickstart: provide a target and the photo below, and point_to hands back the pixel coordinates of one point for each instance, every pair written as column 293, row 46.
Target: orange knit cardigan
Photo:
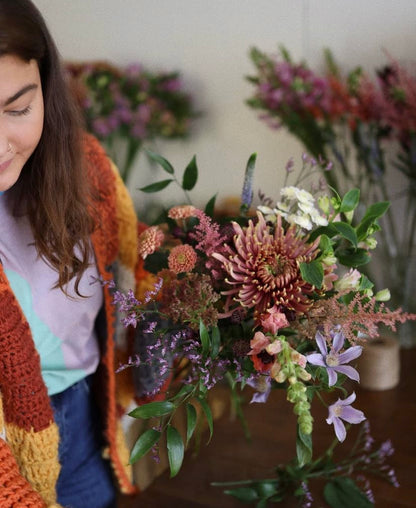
column 29, row 437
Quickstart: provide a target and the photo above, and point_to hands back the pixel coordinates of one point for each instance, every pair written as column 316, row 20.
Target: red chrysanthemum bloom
column 182, row 212
column 263, row 267
column 182, row 258
column 150, row 240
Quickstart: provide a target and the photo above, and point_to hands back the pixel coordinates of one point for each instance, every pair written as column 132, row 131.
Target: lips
column 5, row 165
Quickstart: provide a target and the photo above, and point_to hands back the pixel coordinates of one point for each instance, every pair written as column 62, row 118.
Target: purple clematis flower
column 263, row 386
column 342, row 410
column 334, row 361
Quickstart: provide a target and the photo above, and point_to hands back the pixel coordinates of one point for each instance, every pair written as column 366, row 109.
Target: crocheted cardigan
column 29, row 437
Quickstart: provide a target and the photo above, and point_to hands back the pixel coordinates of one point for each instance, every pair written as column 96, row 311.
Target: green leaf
column 204, row 335
column 350, row 201
column 156, row 187
column 191, row 418
column 342, row 492
column 372, row 213
column 175, row 448
column 346, row 231
column 190, row 175
column 215, row 342
column 303, row 447
column 353, row 258
column 244, row 494
column 266, row 489
column 156, row 262
column 153, row 410
column 185, row 390
column 210, row 206
column 365, row 283
column 164, row 163
column 208, row 415
column 376, row 210
column 325, row 244
column 313, row 273
column 329, row 231
column 144, row 444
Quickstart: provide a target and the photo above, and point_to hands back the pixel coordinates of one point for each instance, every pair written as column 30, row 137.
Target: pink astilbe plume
column 361, row 315
column 206, row 234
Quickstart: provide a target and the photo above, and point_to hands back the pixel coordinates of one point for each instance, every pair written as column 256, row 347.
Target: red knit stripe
column 15, row 491
column 102, row 181
column 25, row 398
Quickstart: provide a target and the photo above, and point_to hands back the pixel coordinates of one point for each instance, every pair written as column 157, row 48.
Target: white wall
column 208, row 42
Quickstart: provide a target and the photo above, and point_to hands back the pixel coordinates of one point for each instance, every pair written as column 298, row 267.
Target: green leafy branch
column 341, row 239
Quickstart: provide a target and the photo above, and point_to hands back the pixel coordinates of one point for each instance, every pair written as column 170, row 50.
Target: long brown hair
column 53, row 182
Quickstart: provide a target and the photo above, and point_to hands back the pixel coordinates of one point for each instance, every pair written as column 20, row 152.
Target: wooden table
column 392, row 414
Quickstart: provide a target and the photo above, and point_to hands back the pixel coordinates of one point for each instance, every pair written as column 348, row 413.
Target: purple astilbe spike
column 342, row 410
column 334, row 361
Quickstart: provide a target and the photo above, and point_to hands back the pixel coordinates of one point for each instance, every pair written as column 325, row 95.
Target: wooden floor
column 392, row 414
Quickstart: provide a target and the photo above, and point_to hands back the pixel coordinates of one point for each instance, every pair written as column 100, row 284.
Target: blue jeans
column 85, row 479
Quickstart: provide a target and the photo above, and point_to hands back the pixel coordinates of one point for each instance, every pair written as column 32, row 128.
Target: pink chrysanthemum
column 263, row 267
column 182, row 258
column 150, row 240
column 182, row 212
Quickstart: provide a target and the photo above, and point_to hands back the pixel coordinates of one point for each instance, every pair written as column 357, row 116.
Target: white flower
column 301, row 220
column 318, row 219
column 350, row 280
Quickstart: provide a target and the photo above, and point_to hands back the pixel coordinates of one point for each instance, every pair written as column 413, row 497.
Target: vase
column 379, row 363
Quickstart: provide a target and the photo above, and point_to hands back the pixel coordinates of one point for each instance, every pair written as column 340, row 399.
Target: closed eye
column 20, row 112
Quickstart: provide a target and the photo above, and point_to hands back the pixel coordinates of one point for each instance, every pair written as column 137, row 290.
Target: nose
column 4, row 146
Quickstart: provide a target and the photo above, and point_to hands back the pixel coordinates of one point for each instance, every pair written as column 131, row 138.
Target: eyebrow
column 21, row 92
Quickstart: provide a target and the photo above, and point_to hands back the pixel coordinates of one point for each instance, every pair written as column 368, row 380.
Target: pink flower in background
column 342, row 410
column 182, row 258
column 150, row 240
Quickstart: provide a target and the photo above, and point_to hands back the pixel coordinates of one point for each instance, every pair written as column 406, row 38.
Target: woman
column 65, row 222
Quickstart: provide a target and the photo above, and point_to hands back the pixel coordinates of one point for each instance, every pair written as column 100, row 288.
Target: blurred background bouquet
column 367, row 126
column 271, row 298
column 123, row 107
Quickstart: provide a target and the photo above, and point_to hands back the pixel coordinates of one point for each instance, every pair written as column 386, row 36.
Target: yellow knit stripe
column 127, row 235
column 124, row 455
column 37, row 456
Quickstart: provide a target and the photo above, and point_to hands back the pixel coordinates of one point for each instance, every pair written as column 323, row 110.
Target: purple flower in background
column 342, row 410
column 334, row 361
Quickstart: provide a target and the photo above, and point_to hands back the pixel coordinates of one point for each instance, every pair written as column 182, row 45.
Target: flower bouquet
column 367, row 127
column 272, row 298
column 130, row 104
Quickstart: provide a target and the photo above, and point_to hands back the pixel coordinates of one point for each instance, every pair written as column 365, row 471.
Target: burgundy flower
column 263, row 267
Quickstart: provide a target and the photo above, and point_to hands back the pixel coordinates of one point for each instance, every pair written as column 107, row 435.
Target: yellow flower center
column 332, row 360
column 338, row 411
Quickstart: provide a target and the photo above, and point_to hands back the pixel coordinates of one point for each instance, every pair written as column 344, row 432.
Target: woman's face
column 21, row 116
